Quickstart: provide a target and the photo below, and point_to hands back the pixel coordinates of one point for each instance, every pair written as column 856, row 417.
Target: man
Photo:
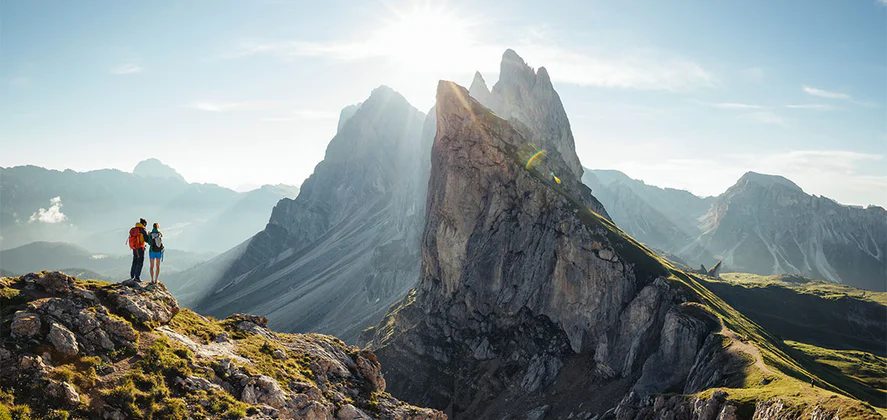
column 138, row 237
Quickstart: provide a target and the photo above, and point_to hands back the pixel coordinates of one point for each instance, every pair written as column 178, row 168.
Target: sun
column 423, row 37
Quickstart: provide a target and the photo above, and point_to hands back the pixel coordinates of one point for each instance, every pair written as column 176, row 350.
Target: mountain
column 663, row 218
column 531, row 304
column 154, row 168
column 87, row 349
column 73, row 259
column 95, row 209
column 337, row 256
column 765, row 224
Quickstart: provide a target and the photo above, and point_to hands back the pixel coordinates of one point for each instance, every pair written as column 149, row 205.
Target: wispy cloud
column 129, row 68
column 882, row 2
column 764, row 117
column 732, row 105
column 631, row 69
column 51, row 215
column 817, row 107
column 228, row 106
column 285, row 108
column 825, row 93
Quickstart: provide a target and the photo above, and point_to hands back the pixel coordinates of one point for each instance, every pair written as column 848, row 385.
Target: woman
column 156, row 252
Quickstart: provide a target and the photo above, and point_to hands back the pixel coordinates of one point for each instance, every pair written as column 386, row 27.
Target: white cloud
column 631, row 69
column 825, row 93
column 226, row 106
column 127, row 69
column 51, row 215
column 764, row 117
column 733, row 105
column 882, row 2
column 818, row 107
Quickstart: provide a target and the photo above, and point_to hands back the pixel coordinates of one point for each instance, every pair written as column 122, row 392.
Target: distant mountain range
column 95, row 209
column 764, row 224
column 76, row 260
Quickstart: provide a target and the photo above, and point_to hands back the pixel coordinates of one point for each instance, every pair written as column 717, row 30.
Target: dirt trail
column 745, row 347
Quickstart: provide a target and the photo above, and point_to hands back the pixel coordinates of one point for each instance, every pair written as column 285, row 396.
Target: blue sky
column 687, row 94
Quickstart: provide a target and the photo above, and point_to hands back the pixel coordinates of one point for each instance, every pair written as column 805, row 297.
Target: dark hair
column 143, row 221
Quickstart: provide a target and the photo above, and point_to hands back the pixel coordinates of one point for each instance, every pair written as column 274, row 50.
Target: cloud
column 227, row 106
column 52, row 215
column 303, row 114
column 732, row 105
column 824, row 93
column 764, row 117
column 642, row 69
column 126, row 69
column 882, row 2
column 817, row 107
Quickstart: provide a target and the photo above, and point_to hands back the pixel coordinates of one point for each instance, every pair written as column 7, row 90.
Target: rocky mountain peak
column 767, row 181
column 154, row 168
column 346, row 114
column 529, row 97
column 479, row 90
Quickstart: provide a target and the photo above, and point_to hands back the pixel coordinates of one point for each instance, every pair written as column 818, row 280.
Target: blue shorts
column 156, row 255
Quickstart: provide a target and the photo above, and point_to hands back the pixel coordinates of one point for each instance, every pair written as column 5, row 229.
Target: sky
column 683, row 94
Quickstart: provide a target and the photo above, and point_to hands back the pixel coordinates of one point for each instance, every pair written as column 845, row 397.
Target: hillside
column 529, row 304
column 84, row 349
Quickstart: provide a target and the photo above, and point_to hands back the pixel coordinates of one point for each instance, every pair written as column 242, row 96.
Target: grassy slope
column 790, row 377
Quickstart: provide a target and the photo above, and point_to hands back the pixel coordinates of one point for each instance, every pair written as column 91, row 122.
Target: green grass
column 800, row 284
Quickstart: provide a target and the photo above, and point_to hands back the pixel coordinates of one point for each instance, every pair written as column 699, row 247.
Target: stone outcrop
column 73, row 350
column 715, row 407
column 521, row 282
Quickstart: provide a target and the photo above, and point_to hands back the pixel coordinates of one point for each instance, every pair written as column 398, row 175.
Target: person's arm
column 147, row 238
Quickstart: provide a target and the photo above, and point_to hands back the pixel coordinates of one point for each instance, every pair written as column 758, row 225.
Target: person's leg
column 140, row 263
column 135, row 260
column 157, row 275
column 152, row 267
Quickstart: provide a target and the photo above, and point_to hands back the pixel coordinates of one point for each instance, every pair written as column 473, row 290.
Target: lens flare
column 532, row 160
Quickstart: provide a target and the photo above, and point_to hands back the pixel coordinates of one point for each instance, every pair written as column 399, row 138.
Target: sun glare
column 423, row 37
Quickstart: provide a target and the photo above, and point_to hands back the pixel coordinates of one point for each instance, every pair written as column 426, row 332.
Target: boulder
column 62, row 339
column 55, row 282
column 25, row 324
column 64, row 391
column 147, row 304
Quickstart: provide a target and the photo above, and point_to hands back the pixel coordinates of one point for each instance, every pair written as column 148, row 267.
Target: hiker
column 138, row 237
column 156, row 252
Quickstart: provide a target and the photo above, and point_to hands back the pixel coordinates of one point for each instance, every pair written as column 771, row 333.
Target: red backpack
column 136, row 240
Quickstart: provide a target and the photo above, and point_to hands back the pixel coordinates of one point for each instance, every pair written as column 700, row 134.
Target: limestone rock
column 64, row 391
column 145, row 303
column 25, row 324
column 62, row 339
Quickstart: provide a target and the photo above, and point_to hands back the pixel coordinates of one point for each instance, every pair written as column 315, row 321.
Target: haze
column 681, row 94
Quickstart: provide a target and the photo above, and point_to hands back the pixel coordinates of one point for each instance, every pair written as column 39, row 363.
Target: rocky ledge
column 87, row 349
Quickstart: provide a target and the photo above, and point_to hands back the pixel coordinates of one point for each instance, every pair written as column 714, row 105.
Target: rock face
column 95, row 364
column 766, row 225
column 522, row 284
column 336, row 257
column 715, row 407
